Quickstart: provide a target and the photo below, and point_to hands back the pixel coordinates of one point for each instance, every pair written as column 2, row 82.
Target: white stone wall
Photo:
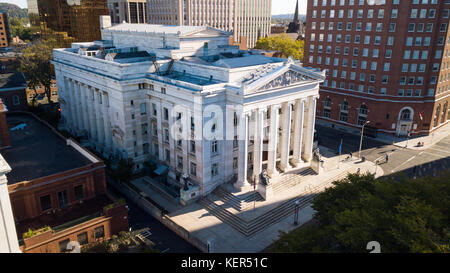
column 8, row 235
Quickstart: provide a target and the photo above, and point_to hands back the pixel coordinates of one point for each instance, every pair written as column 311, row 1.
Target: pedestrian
column 387, row 158
column 359, row 170
column 351, row 155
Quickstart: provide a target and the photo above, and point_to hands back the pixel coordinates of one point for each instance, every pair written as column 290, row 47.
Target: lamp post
column 297, row 203
column 362, row 133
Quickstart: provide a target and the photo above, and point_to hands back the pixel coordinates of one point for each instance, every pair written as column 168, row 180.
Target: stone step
column 271, row 217
column 290, row 180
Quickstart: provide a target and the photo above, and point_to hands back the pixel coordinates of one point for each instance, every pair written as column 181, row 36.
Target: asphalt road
column 164, row 239
column 413, row 163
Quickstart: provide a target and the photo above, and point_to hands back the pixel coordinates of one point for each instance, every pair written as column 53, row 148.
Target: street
column 430, row 161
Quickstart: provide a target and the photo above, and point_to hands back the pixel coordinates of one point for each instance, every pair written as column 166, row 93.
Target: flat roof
column 36, row 151
column 167, row 29
column 11, row 80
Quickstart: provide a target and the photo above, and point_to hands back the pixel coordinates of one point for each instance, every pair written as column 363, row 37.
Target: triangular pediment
column 207, row 32
column 283, row 76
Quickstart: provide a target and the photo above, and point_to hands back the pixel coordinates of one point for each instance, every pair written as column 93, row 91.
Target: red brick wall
column 25, row 196
column 4, row 131
column 113, row 221
column 7, row 97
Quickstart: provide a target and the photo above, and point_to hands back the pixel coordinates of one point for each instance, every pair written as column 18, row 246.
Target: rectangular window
column 193, row 169
column 99, row 232
column 79, row 193
column 82, row 238
column 214, row 169
column 46, row 202
column 63, row 246
column 62, row 199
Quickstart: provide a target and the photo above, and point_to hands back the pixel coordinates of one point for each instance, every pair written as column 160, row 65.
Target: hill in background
column 14, row 11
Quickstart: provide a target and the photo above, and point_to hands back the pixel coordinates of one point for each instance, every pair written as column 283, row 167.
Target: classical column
column 106, row 120
column 243, row 152
column 309, row 131
column 81, row 113
column 75, row 104
column 285, row 136
column 97, row 105
column 92, row 115
column 69, row 107
column 83, row 104
column 298, row 131
column 273, row 140
column 258, row 142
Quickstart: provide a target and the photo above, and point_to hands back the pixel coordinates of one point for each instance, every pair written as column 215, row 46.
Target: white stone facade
column 199, row 106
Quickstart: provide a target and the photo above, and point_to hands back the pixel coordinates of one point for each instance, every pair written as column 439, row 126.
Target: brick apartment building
column 56, row 187
column 4, row 30
column 387, row 62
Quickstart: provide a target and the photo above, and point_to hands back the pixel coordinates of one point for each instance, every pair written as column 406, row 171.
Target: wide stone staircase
column 292, row 179
column 237, row 202
column 267, row 219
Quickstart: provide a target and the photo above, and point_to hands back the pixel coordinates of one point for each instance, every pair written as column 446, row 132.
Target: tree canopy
column 406, row 215
column 18, row 29
column 284, row 44
column 36, row 65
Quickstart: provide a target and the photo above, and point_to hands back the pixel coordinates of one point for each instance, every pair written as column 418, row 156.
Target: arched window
column 444, row 112
column 436, row 116
column 16, row 100
column 362, row 114
column 343, row 114
column 405, row 114
column 327, row 108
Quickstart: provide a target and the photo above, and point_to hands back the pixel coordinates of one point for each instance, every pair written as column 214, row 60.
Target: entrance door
column 404, row 128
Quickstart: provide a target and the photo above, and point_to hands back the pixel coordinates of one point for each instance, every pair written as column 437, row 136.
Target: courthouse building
column 181, row 95
column 387, row 62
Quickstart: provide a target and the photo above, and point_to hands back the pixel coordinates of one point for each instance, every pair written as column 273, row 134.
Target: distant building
column 154, row 103
column 77, row 19
column 5, row 36
column 39, row 95
column 9, row 61
column 387, row 62
column 12, row 91
column 57, row 189
column 128, row 11
column 245, row 18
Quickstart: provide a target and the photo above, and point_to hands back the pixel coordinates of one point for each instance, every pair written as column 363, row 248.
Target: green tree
column 35, row 64
column 125, row 169
column 406, row 215
column 18, row 29
column 282, row 43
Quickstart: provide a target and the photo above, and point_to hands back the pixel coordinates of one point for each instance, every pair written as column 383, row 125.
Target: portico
column 279, row 118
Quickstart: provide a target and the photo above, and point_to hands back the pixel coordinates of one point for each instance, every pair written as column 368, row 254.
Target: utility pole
column 360, row 142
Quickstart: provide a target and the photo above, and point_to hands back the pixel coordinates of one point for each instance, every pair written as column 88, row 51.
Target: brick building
column 57, row 189
column 5, row 37
column 387, row 62
column 40, row 96
column 12, row 91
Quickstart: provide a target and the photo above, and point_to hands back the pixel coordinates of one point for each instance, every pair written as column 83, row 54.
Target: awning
column 161, row 169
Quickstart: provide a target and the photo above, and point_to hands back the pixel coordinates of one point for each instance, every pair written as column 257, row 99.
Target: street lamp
column 297, row 204
column 362, row 133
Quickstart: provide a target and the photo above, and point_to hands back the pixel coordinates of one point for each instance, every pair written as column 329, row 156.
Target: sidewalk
column 428, row 141
column 200, row 223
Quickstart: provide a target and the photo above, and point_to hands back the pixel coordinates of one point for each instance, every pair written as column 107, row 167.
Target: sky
column 278, row 6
